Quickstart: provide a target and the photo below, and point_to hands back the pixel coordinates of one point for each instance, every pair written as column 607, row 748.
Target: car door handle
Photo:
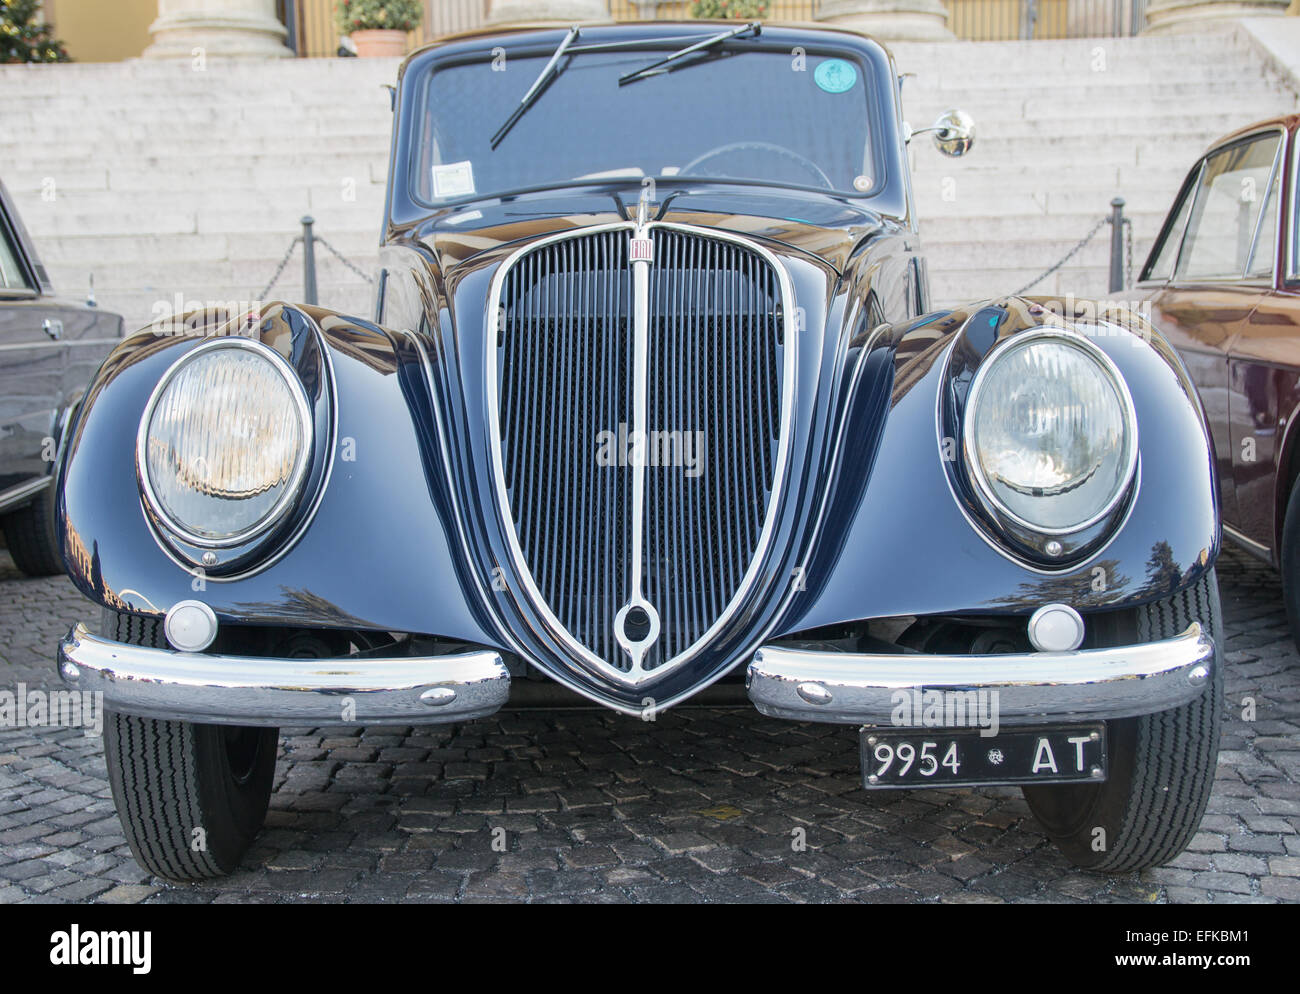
column 53, row 327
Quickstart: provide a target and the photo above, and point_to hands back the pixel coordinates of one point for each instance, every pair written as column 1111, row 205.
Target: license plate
column 911, row 758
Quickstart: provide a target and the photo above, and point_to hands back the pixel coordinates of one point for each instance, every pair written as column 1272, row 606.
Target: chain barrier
column 279, row 270
column 1128, row 252
column 318, row 240
column 339, row 255
column 1127, row 225
column 1067, row 257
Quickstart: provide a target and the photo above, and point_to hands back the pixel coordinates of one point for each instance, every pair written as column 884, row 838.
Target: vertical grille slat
column 714, row 393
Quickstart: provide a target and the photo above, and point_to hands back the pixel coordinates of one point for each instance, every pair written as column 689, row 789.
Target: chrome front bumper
column 243, row 690
column 1084, row 685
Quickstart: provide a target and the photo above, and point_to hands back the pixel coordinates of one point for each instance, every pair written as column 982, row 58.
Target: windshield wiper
column 699, row 46
column 545, row 76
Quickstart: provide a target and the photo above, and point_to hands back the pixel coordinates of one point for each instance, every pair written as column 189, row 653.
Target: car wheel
column 1161, row 765
column 32, row 539
column 191, row 797
column 1289, row 561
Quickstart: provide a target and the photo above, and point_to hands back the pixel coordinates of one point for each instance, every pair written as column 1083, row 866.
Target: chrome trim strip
column 302, row 464
column 972, row 464
column 1246, row 274
column 637, row 677
column 1249, row 544
column 1291, row 189
column 23, row 492
column 640, row 417
column 248, row 690
column 861, row 688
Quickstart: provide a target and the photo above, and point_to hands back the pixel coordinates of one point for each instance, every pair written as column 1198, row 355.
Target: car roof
column 1289, row 122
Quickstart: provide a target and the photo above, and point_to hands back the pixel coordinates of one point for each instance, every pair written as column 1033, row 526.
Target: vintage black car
column 653, row 399
column 49, row 348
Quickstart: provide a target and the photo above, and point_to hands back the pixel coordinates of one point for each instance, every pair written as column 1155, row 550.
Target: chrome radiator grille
column 713, row 326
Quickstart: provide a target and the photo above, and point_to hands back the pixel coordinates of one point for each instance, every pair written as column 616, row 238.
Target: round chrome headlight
column 1049, row 433
column 225, row 443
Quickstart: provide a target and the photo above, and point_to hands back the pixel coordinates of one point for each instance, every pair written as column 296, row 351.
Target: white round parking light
column 1056, row 628
column 190, row 626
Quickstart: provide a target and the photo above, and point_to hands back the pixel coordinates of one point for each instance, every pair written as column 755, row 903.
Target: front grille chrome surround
column 594, row 551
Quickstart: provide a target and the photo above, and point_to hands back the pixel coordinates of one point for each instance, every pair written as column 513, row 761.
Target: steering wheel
column 803, row 163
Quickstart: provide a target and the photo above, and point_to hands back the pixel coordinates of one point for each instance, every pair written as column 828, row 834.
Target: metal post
column 1028, row 19
column 310, row 261
column 1116, row 245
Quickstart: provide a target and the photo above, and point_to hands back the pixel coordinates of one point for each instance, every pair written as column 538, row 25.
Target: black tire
column 191, row 797
column 32, row 539
column 1289, row 561
column 1161, row 765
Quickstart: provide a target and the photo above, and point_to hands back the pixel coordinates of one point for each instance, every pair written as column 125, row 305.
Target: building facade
column 95, row 31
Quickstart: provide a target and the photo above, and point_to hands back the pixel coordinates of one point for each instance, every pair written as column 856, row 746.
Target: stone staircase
column 160, row 180
column 1062, row 128
column 172, row 181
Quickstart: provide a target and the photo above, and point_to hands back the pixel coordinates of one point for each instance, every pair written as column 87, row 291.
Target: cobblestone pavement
column 701, row 805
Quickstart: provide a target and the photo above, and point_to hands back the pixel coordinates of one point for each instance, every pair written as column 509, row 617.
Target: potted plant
column 22, row 38
column 379, row 27
column 743, row 10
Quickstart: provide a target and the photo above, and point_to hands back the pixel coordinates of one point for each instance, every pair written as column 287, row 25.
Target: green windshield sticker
column 836, row 75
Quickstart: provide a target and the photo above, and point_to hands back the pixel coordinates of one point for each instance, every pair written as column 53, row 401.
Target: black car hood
column 827, row 227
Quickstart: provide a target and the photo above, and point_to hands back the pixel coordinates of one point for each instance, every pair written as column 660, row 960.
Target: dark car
column 1223, row 283
column 653, row 399
column 49, row 349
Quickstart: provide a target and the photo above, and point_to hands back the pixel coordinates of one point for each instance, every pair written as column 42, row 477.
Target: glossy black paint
column 405, row 536
column 50, row 347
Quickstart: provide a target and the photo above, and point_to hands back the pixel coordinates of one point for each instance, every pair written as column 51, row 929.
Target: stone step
column 169, row 180
column 976, row 255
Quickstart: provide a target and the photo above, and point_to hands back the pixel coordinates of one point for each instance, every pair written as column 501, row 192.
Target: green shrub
column 739, row 10
column 378, row 15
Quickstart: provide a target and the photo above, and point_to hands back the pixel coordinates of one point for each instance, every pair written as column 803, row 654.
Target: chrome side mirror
column 954, row 132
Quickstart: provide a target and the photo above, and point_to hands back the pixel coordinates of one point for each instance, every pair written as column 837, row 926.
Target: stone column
column 890, row 20
column 547, row 11
column 247, row 28
column 1170, row 16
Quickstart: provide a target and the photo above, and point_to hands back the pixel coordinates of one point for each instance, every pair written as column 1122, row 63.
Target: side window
column 1161, row 266
column 12, row 276
column 1227, row 209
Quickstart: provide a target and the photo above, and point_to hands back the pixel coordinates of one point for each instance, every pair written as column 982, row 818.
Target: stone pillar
column 547, row 11
column 889, row 20
column 247, row 28
column 1170, row 16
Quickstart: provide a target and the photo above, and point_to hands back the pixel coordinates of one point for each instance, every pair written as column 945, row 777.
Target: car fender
column 379, row 550
column 909, row 545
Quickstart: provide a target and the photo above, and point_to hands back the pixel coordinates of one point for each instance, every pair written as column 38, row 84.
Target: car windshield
column 758, row 115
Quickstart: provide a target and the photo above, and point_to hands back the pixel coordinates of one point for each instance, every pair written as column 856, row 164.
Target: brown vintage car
column 1223, row 283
